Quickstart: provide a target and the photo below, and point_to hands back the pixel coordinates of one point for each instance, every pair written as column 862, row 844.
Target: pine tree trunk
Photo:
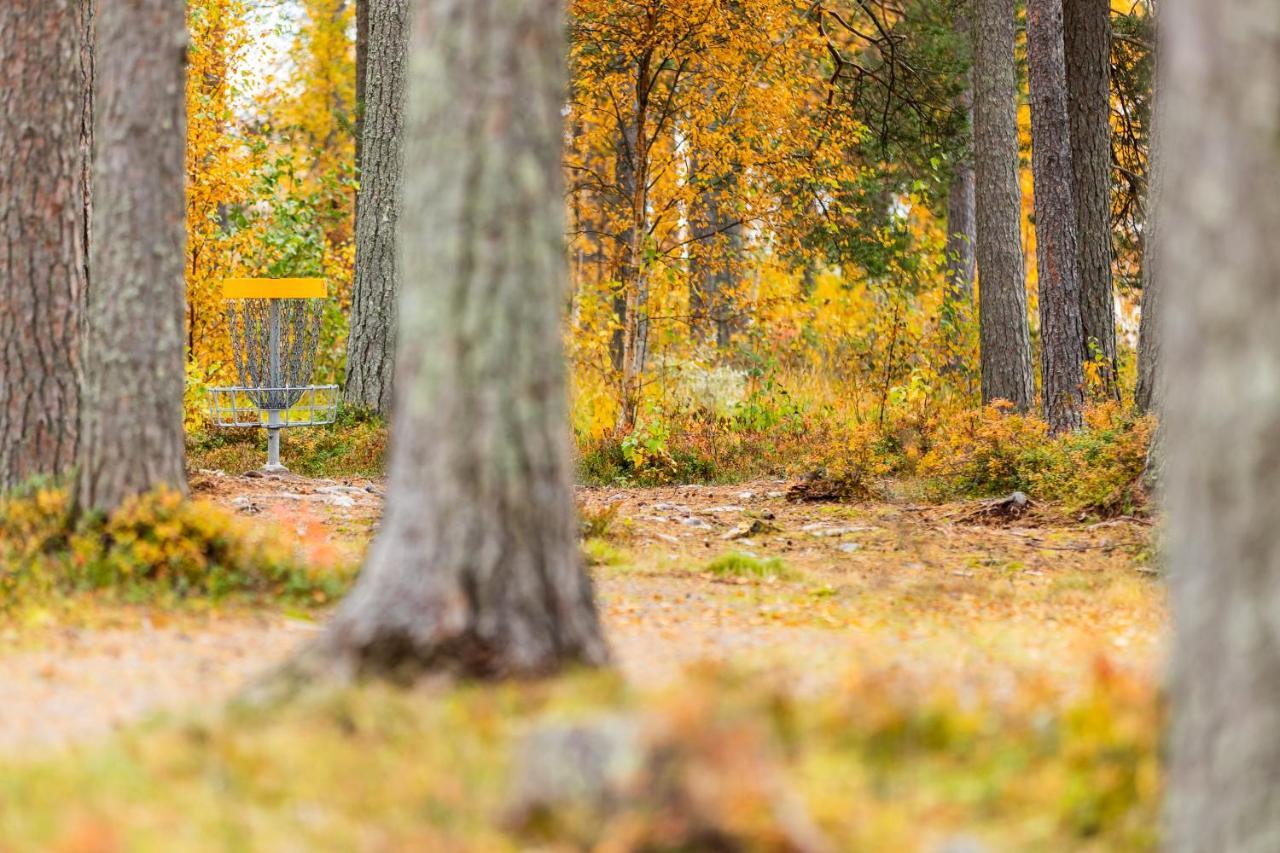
column 371, row 342
column 131, row 433
column 1002, row 290
column 1061, row 334
column 1220, row 264
column 476, row 568
column 1148, row 395
column 1087, row 41
column 45, row 87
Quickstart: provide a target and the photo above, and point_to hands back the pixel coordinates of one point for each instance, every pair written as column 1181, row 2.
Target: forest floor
column 819, row 600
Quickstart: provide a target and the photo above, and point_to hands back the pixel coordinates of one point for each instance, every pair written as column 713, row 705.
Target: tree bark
column 362, row 65
column 1149, row 393
column 1087, row 42
column 1061, row 334
column 1221, row 263
column 45, row 95
column 1002, row 291
column 476, row 569
column 131, row 424
column 371, row 341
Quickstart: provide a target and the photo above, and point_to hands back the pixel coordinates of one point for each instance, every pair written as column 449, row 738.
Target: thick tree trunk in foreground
column 1087, row 40
column 131, row 439
column 1061, row 336
column 1002, row 289
column 44, row 97
column 371, row 342
column 1221, row 265
column 476, row 568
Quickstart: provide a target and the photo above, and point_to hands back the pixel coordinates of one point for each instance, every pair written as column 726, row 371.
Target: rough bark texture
column 1002, row 290
column 131, row 434
column 1061, row 335
column 476, row 568
column 1149, row 393
column 45, row 80
column 371, row 341
column 1087, row 41
column 1221, row 265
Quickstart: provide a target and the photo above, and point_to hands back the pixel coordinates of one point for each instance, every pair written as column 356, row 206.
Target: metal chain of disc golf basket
column 274, row 342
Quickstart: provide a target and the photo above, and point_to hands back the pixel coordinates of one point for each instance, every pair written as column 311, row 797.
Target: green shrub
column 735, row 564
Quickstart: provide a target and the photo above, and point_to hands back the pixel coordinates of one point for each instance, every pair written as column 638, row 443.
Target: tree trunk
column 1221, row 265
column 45, row 84
column 476, row 569
column 371, row 342
column 1061, row 335
column 362, row 66
column 961, row 235
column 1087, row 41
column 1148, row 395
column 1002, row 291
column 961, row 200
column 131, row 433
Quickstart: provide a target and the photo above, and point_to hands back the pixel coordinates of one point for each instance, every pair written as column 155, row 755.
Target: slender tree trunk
column 1149, row 394
column 1221, row 264
column 476, row 568
column 131, row 438
column 371, row 342
column 1087, row 41
column 634, row 179
column 1002, row 292
column 44, row 96
column 362, row 66
column 961, row 235
column 1061, row 335
column 962, row 221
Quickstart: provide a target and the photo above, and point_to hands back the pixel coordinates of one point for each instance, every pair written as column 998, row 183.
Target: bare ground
column 934, row 595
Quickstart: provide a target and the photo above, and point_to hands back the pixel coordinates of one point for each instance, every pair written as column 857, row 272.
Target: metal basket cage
column 239, row 406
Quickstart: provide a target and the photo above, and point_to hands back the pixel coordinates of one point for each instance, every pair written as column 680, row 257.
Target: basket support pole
column 274, row 377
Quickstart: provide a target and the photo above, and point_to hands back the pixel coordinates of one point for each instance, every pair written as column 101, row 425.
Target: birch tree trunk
column 1220, row 260
column 1061, row 334
column 131, row 427
column 476, row 568
column 1002, row 290
column 371, row 341
column 1087, row 40
column 45, row 96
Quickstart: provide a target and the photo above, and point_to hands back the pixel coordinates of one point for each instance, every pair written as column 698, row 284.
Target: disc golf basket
column 275, row 331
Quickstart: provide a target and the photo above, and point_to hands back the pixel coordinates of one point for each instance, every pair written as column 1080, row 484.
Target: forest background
column 769, row 275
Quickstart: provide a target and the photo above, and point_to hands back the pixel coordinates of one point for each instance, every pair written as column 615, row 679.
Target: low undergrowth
column 879, row 766
column 157, row 546
column 353, row 446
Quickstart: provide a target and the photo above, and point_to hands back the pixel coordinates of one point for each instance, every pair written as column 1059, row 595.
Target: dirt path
column 927, row 594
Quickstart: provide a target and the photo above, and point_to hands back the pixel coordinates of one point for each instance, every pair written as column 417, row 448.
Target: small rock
column 850, row 547
column 694, row 521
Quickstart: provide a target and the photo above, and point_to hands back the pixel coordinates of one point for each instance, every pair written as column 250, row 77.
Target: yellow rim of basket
column 273, row 288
